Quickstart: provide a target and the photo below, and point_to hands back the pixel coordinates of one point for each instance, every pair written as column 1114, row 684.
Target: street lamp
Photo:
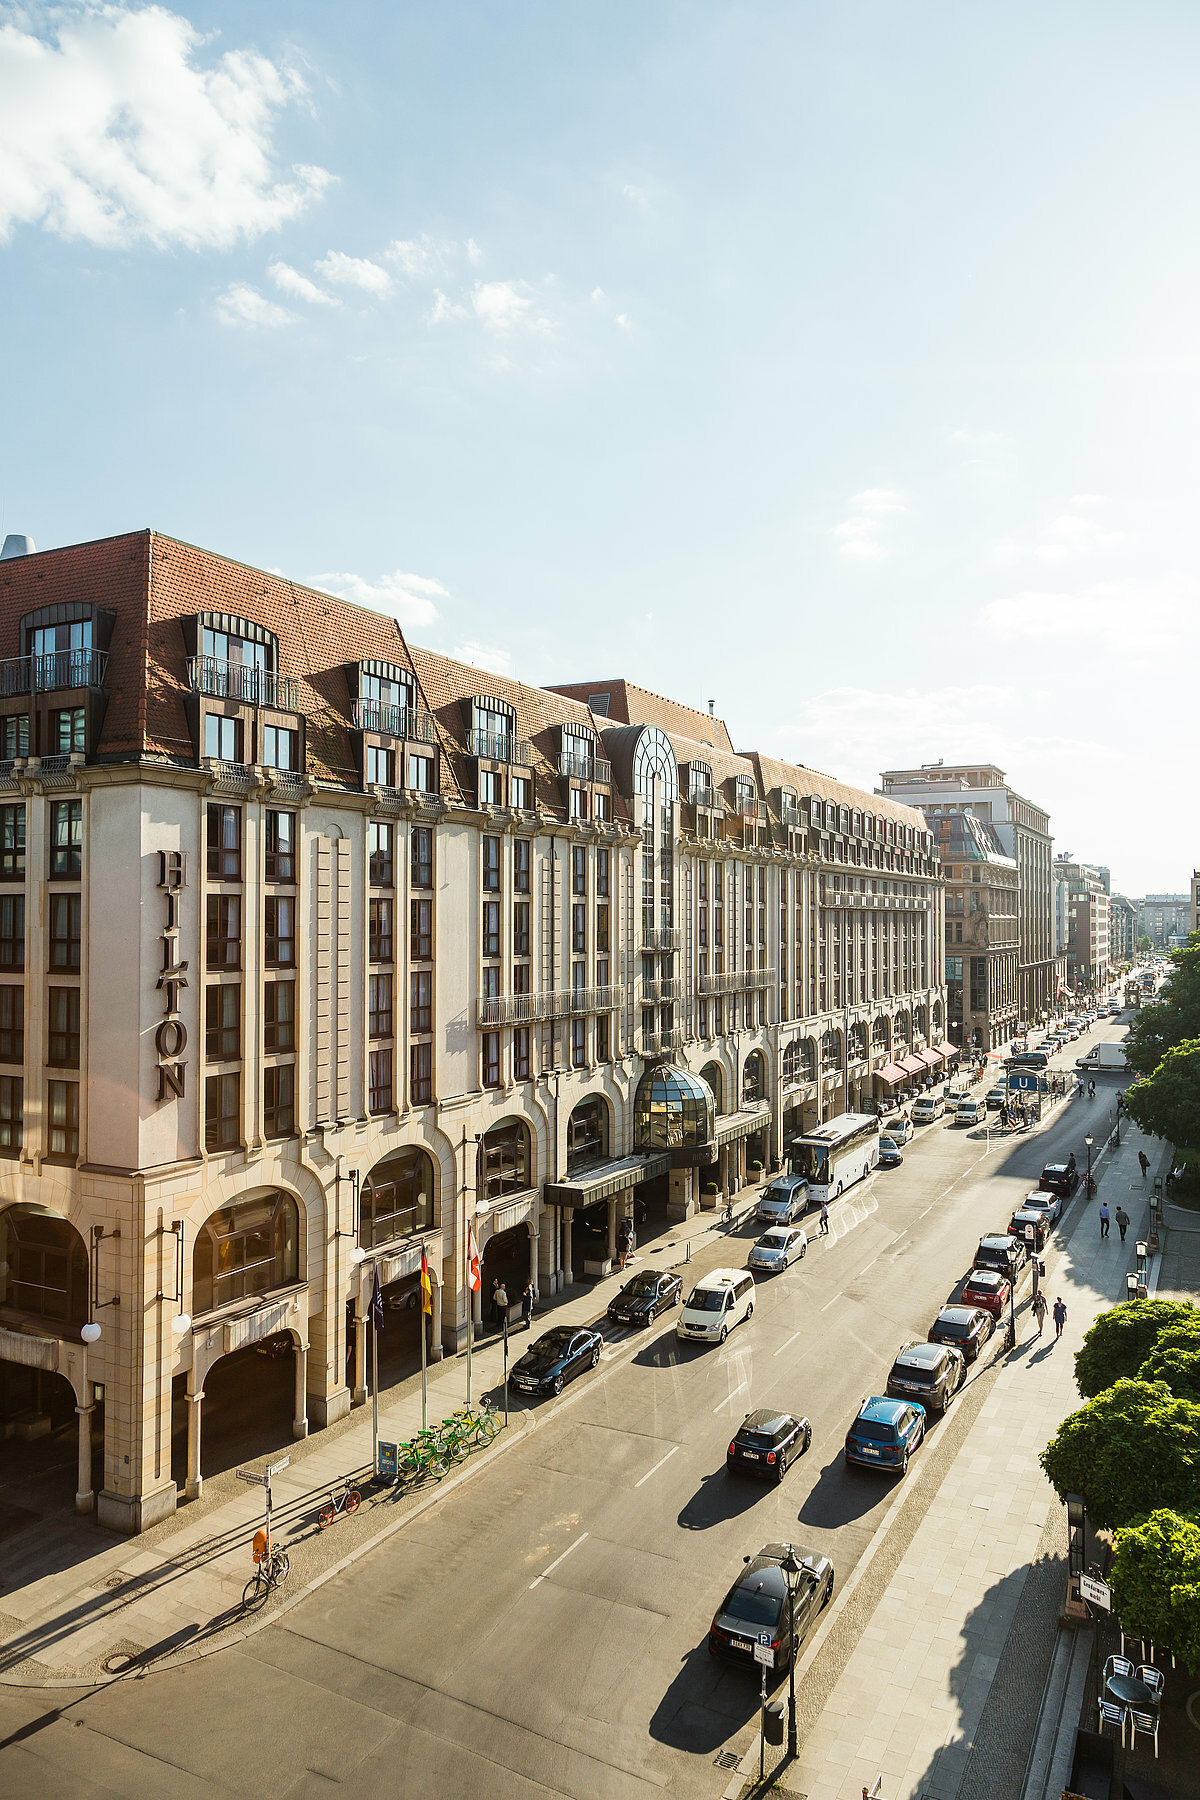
column 791, row 1574
column 1087, row 1186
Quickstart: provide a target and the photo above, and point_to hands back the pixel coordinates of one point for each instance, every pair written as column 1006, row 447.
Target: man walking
column 1039, row 1312
column 1104, row 1218
column 1060, row 1318
column 527, row 1299
column 1122, row 1222
column 500, row 1303
column 1145, row 1162
column 824, row 1219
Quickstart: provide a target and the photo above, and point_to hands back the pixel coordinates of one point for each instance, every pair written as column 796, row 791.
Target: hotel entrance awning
column 731, row 1126
column 602, row 1180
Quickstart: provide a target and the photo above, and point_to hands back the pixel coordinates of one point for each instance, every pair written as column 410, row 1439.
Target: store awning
column 890, row 1072
column 602, row 1180
column 931, row 1058
column 732, row 1126
column 912, row 1065
column 947, row 1049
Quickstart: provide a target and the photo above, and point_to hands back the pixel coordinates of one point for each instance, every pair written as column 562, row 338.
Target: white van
column 970, row 1112
column 717, row 1303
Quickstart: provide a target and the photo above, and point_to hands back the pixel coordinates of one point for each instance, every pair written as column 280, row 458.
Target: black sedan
column 968, row 1328
column 557, row 1357
column 889, row 1152
column 767, row 1442
column 758, row 1602
column 649, row 1293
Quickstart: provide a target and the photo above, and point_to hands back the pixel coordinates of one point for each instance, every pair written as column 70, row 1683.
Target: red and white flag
column 474, row 1275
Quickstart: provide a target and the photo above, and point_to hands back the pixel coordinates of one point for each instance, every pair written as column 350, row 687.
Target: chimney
column 711, row 708
column 17, row 544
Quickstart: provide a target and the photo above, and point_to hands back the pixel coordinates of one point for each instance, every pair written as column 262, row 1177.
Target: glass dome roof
column 674, row 1110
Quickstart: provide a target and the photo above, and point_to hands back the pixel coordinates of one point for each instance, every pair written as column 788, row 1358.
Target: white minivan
column 970, row 1112
column 718, row 1302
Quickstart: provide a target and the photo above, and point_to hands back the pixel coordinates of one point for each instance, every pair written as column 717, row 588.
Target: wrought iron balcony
column 242, row 682
column 499, row 747
column 532, row 1009
column 792, row 816
column 699, row 795
column 752, row 812
column 509, row 1009
column 584, row 768
column 654, row 992
column 736, row 981
column 660, row 1043
column 53, row 672
column 412, row 723
column 662, row 937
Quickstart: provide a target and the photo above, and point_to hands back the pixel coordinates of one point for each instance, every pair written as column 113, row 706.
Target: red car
column 986, row 1288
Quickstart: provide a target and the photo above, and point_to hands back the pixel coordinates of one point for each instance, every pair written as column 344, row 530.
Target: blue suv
column 885, row 1432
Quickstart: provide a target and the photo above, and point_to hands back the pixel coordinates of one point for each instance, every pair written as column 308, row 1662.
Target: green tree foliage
column 1175, row 1019
column 1132, row 1448
column 1145, row 945
column 1121, row 1339
column 1155, row 1580
column 1175, row 1359
column 1167, row 1103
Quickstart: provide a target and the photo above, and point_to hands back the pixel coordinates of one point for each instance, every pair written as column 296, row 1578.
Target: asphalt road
column 543, row 1629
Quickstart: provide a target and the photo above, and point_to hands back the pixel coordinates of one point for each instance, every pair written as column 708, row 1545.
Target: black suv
column 758, row 1601
column 766, row 1442
column 930, row 1373
column 1060, row 1178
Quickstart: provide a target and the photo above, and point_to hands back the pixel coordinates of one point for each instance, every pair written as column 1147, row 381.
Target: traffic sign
column 253, row 1477
column 764, row 1651
column 274, row 1468
column 1097, row 1592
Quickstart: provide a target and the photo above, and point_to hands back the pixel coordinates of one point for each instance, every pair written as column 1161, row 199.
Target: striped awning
column 912, row 1065
column 947, row 1048
column 890, row 1072
column 931, row 1058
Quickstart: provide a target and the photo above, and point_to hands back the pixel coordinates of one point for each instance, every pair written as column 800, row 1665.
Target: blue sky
column 838, row 363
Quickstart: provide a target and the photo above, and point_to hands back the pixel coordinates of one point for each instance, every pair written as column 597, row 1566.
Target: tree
column 1120, row 1340
column 1174, row 1019
column 1155, row 1580
column 1145, row 945
column 1132, row 1448
column 1175, row 1358
column 1167, row 1103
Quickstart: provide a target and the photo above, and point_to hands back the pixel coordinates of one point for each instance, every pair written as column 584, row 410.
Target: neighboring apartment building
column 1023, row 831
column 1081, row 917
column 1165, row 919
column 1194, row 920
column 982, row 932
column 1122, row 929
column 315, row 946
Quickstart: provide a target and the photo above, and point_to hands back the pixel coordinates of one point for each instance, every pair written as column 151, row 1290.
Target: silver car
column 778, row 1248
column 783, row 1200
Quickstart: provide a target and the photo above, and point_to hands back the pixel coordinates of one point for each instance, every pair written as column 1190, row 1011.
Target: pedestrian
column 1104, row 1218
column 824, row 1218
column 1079, row 1088
column 1091, row 1090
column 1039, row 1311
column 1122, row 1222
column 1060, row 1317
column 527, row 1300
column 623, row 1241
column 500, row 1302
column 1145, row 1162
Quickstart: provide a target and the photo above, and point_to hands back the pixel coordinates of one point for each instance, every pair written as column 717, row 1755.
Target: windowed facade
column 12, row 843
column 66, row 840
column 224, row 843
column 62, row 1043
column 243, row 1250
column 280, row 848
column 279, row 1100
column 62, row 1121
column 66, row 930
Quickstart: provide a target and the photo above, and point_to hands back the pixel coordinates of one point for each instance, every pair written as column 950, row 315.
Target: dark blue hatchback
column 885, row 1433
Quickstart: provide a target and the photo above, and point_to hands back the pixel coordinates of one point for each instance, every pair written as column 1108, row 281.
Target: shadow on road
column 720, row 1496
column 707, row 1704
column 842, row 1495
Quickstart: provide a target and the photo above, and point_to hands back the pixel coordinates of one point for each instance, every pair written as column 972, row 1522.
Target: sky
column 838, row 364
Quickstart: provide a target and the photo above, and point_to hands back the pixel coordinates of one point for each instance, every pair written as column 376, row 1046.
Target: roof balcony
column 493, row 746
column 242, row 682
column 412, row 723
column 54, row 672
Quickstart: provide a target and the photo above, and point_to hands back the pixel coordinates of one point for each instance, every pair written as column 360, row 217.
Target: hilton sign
column 170, row 1039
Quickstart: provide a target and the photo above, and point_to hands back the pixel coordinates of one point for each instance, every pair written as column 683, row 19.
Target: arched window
column 506, row 1160
column 799, row 1062
column 673, row 1110
column 714, row 1075
column 901, row 1026
column 396, row 1198
column 246, row 1249
column 937, row 1015
column 587, row 1134
column 754, row 1078
column 831, row 1049
column 43, row 1268
column 879, row 1034
column 858, row 1041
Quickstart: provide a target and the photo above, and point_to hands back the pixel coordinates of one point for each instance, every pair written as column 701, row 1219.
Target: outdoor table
column 1129, row 1691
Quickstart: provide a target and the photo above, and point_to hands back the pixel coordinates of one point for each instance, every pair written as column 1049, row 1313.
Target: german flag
column 426, row 1285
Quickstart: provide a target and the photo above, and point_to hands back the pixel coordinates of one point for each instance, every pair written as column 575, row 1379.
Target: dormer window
column 577, row 757
column 744, row 795
column 700, row 785
column 238, row 659
column 493, row 731
column 383, row 699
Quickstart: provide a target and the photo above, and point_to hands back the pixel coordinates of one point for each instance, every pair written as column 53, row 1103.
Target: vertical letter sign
column 170, row 1040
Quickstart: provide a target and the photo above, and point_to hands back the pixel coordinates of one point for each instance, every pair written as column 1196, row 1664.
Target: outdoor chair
column 1117, row 1665
column 1112, row 1714
column 1152, row 1677
column 1147, row 1723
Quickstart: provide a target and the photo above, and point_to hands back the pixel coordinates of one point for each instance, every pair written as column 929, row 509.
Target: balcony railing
column 231, row 777
column 700, row 795
column 584, row 768
column 412, row 723
column 660, row 1043
column 662, row 937
column 655, row 992
column 50, row 673
column 792, row 816
column 752, row 812
column 736, row 981
column 499, row 747
column 242, row 682
column 532, row 1009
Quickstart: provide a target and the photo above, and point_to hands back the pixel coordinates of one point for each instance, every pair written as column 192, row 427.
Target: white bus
column 831, row 1157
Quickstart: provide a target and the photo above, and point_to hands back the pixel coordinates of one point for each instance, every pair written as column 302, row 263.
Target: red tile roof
column 631, row 705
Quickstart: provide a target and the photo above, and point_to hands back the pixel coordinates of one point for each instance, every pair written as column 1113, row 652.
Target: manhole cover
column 117, row 1665
column 726, row 1759
column 115, row 1581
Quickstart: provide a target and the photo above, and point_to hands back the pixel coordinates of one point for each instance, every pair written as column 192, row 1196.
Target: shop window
column 279, row 1016
column 245, row 1250
column 45, row 1270
column 224, row 843
column 66, row 840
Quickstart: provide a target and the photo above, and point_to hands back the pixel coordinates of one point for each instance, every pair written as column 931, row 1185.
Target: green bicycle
column 476, row 1427
column 423, row 1456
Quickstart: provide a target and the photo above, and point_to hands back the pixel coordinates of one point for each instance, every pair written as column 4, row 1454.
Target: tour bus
column 833, row 1156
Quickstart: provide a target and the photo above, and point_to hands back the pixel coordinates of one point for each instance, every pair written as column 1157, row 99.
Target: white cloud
column 504, row 306
column 1130, row 616
column 291, row 281
column 636, row 196
column 444, row 310
column 408, row 598
column 423, row 258
column 483, row 656
column 111, row 132
column 860, row 533
column 1074, row 534
column 242, row 304
column 355, row 271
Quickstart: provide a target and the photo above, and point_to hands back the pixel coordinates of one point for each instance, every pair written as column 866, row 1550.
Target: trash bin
column 773, row 1722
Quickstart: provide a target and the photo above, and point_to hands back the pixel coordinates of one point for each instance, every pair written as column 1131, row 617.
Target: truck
column 1103, row 1057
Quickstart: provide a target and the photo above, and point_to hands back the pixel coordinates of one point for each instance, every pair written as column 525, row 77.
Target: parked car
column 988, row 1289
column 651, row 1292
column 897, row 1125
column 758, row 1601
column 1027, row 1219
column 997, row 1097
column 1042, row 1201
column 999, row 1251
column 1060, row 1178
column 1032, row 1059
column 885, row 1433
column 719, row 1301
column 968, row 1328
column 557, row 1357
column 783, row 1200
column 889, row 1153
column 767, row 1442
column 778, row 1248
column 928, row 1108
column 970, row 1111
column 930, row 1373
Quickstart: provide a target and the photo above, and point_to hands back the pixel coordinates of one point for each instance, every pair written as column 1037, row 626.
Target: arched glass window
column 754, row 1077
column 900, row 1028
column 505, row 1159
column 713, row 1075
column 43, row 1268
column 396, row 1198
column 673, row 1110
column 858, row 1040
column 246, row 1249
column 937, row 1015
column 656, row 782
column 879, row 1034
column 831, row 1049
column 587, row 1134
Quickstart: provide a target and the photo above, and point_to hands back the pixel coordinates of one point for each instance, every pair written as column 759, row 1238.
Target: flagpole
column 470, row 1328
column 424, row 1394
column 375, row 1387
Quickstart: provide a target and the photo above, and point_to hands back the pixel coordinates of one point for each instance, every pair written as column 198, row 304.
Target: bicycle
column 423, row 1456
column 477, row 1427
column 727, row 1215
column 271, row 1568
column 345, row 1499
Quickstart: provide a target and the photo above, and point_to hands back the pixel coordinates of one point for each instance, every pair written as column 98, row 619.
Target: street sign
column 274, row 1468
column 1097, row 1592
column 763, row 1651
column 1020, row 1079
column 253, row 1477
column 387, row 1461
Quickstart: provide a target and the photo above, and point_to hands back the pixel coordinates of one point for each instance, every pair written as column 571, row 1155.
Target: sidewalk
column 941, row 1693
column 176, row 1591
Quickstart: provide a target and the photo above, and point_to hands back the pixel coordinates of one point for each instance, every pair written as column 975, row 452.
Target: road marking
column 830, row 1303
column 928, row 1209
column 556, row 1562
column 788, row 1341
column 732, row 1395
column 869, row 1265
column 657, row 1466
column 898, row 1236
